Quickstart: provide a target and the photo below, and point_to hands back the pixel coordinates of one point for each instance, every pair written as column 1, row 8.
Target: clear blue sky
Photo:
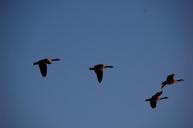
column 145, row 40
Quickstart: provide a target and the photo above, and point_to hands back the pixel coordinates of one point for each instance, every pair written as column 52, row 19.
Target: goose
column 98, row 69
column 43, row 65
column 170, row 80
column 155, row 98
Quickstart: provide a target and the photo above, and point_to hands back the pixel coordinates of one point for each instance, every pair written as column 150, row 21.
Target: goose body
column 155, row 98
column 98, row 69
column 43, row 65
column 170, row 80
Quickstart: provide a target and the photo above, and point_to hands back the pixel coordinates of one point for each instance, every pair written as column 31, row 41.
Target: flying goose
column 43, row 65
column 98, row 69
column 170, row 80
column 155, row 98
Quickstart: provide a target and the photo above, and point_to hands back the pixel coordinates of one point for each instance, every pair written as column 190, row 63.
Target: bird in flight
column 155, row 98
column 98, row 69
column 43, row 65
column 170, row 80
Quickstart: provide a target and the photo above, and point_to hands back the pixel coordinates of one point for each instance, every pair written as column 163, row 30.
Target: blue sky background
column 145, row 40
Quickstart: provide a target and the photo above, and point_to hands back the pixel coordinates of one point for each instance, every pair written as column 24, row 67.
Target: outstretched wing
column 43, row 69
column 99, row 74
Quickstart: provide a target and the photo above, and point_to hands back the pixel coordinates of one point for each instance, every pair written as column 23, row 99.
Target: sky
column 145, row 40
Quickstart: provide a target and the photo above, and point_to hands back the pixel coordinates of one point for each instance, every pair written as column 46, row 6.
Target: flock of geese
column 156, row 97
column 98, row 69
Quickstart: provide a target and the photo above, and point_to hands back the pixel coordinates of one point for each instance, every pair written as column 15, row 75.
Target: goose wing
column 43, row 69
column 153, row 103
column 170, row 77
column 157, row 95
column 99, row 74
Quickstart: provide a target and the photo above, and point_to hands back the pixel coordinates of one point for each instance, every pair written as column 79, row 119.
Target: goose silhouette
column 170, row 80
column 43, row 65
column 98, row 69
column 155, row 98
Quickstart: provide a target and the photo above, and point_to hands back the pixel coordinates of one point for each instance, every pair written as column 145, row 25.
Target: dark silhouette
column 98, row 69
column 170, row 80
column 155, row 98
column 43, row 65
